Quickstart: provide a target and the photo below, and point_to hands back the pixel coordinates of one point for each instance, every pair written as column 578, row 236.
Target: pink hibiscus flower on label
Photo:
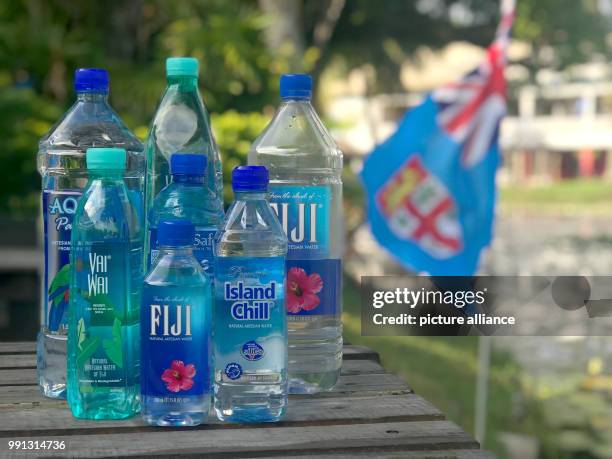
column 302, row 290
column 179, row 376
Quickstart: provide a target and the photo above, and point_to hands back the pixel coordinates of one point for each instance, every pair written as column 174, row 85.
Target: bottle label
column 100, row 313
column 250, row 326
column 175, row 343
column 313, row 279
column 58, row 209
column 202, row 247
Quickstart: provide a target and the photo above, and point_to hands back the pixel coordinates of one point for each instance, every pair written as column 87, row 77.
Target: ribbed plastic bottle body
column 181, row 124
column 90, row 122
column 306, row 191
column 105, row 285
column 176, row 318
column 250, row 330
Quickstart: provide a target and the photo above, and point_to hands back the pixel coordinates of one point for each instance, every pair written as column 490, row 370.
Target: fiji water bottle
column 90, row 122
column 250, row 330
column 181, row 124
column 186, row 197
column 306, row 192
column 105, row 282
column 175, row 332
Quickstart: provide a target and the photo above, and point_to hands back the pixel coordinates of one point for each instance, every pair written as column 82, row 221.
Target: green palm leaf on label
column 89, row 346
column 113, row 347
column 61, row 279
column 81, row 333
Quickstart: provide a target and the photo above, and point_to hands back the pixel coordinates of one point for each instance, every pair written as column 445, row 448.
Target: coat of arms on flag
column 431, row 185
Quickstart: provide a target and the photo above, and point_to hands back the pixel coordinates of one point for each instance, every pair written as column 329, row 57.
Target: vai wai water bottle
column 106, row 277
column 175, row 332
column 187, row 197
column 90, row 122
column 181, row 125
column 306, row 192
column 250, row 331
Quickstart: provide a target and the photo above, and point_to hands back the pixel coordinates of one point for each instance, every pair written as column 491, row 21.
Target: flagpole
column 482, row 388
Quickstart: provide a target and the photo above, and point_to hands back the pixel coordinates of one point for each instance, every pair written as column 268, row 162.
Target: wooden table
column 370, row 413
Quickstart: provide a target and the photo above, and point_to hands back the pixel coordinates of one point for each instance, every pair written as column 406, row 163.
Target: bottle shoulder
column 197, row 204
column 180, row 271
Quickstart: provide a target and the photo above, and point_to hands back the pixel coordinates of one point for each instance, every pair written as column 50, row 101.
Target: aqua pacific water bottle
column 250, row 329
column 306, row 191
column 180, row 125
column 187, row 197
column 176, row 332
column 90, row 122
column 105, row 282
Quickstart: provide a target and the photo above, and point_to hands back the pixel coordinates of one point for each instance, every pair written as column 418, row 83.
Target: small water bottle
column 90, row 122
column 187, row 197
column 105, row 283
column 250, row 330
column 306, row 192
column 175, row 332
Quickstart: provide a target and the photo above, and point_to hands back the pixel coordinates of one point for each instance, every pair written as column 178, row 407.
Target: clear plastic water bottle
column 250, row 329
column 180, row 125
column 176, row 332
column 105, row 284
column 186, row 197
column 90, row 122
column 306, row 191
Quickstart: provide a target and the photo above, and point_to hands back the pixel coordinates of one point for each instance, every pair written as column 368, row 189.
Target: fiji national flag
column 431, row 185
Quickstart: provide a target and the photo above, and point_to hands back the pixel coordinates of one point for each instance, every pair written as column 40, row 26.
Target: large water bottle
column 306, row 191
column 90, row 122
column 250, row 327
column 180, row 125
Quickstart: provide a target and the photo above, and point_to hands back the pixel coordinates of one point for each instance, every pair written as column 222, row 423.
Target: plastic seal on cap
column 182, row 66
column 105, row 158
column 176, row 233
column 91, row 80
column 250, row 178
column 188, row 164
column 296, row 86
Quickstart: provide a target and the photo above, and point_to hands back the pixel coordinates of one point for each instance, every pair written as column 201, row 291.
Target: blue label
column 175, row 342
column 313, row 288
column 58, row 212
column 303, row 212
column 250, row 326
column 202, row 248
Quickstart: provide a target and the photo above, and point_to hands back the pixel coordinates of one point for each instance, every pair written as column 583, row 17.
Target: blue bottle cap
column 91, row 80
column 182, row 66
column 105, row 159
column 250, row 178
column 188, row 164
column 296, row 86
column 175, row 233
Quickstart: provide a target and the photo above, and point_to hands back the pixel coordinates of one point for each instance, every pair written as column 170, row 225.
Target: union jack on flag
column 431, row 185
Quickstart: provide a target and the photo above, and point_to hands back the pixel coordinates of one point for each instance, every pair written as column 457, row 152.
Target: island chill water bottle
column 106, row 279
column 186, row 197
column 180, row 125
column 61, row 162
column 176, row 332
column 306, row 192
column 250, row 330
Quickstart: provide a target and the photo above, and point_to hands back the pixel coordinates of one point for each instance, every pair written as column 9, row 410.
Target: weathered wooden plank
column 356, row 352
column 18, row 347
column 270, row 441
column 57, row 420
column 443, row 454
column 18, row 377
column 17, row 361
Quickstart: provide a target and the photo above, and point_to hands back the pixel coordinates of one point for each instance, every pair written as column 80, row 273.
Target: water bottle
column 180, row 125
column 105, row 282
column 90, row 122
column 186, row 197
column 175, row 332
column 306, row 192
column 250, row 329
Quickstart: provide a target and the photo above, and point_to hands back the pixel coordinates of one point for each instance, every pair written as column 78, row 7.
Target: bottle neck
column 176, row 251
column 112, row 175
column 296, row 100
column 188, row 179
column 251, row 195
column 92, row 96
column 183, row 83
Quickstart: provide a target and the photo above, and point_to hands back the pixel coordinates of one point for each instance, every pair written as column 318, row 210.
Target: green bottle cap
column 182, row 66
column 106, row 159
